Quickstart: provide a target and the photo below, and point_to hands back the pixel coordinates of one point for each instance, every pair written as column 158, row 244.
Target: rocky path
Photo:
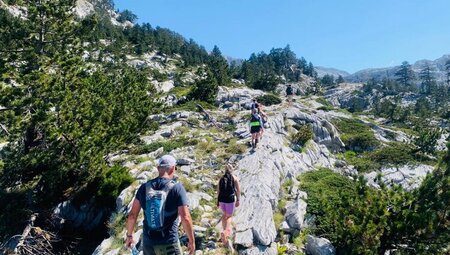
column 262, row 173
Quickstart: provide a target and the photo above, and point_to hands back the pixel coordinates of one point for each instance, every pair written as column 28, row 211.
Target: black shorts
column 255, row 129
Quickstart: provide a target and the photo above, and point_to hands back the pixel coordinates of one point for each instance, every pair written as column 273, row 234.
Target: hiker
column 258, row 107
column 289, row 93
column 255, row 127
column 255, row 104
column 228, row 197
column 163, row 199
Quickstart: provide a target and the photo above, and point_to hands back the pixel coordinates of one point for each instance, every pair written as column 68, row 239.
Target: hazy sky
column 344, row 34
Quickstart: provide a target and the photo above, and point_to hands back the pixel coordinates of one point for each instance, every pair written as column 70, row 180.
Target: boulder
column 185, row 161
column 261, row 250
column 408, row 176
column 319, row 246
column 295, row 214
column 86, row 217
column 240, row 95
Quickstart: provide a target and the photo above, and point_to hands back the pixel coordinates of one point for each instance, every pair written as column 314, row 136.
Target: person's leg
column 147, row 248
column 170, row 249
column 229, row 213
column 253, row 140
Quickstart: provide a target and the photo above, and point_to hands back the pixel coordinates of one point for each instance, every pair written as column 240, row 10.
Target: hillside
column 438, row 66
column 88, row 105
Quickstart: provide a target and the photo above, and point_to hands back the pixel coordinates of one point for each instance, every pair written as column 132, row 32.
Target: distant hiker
column 289, row 93
column 258, row 106
column 163, row 200
column 255, row 127
column 228, row 197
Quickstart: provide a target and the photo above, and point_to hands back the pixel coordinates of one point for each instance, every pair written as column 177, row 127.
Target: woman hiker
column 256, row 125
column 229, row 194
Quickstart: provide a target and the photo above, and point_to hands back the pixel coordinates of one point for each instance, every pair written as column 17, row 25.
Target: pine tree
column 205, row 89
column 405, row 76
column 428, row 81
column 340, row 80
column 219, row 67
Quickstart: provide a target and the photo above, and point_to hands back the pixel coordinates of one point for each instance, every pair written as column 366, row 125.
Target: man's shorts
column 227, row 208
column 163, row 249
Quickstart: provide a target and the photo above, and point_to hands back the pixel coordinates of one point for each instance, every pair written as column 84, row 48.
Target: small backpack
column 226, row 184
column 155, row 203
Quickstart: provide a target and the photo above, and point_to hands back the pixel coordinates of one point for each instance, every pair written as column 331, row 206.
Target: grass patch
column 191, row 106
column 235, row 148
column 326, row 106
column 187, row 184
column 207, row 146
column 180, row 91
column 278, row 217
column 167, row 145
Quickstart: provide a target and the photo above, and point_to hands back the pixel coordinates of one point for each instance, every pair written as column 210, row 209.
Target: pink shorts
column 227, row 208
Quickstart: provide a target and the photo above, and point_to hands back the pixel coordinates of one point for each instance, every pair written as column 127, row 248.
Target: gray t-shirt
column 176, row 197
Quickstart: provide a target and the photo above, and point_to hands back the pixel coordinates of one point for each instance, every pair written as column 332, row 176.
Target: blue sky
column 346, row 34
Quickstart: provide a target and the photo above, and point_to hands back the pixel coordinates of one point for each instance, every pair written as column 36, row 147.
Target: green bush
column 394, row 154
column 356, row 135
column 303, row 135
column 269, row 99
column 324, row 183
column 358, row 219
column 111, row 183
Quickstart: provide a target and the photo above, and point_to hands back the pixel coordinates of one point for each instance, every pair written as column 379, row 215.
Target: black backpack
column 289, row 91
column 226, row 186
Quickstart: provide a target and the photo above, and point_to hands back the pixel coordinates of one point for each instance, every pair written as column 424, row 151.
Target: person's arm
column 218, row 193
column 131, row 222
column 186, row 221
column 238, row 190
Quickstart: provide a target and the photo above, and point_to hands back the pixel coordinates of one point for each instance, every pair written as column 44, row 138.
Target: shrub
column 303, row 135
column 323, row 183
column 356, row 135
column 112, row 182
column 269, row 99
